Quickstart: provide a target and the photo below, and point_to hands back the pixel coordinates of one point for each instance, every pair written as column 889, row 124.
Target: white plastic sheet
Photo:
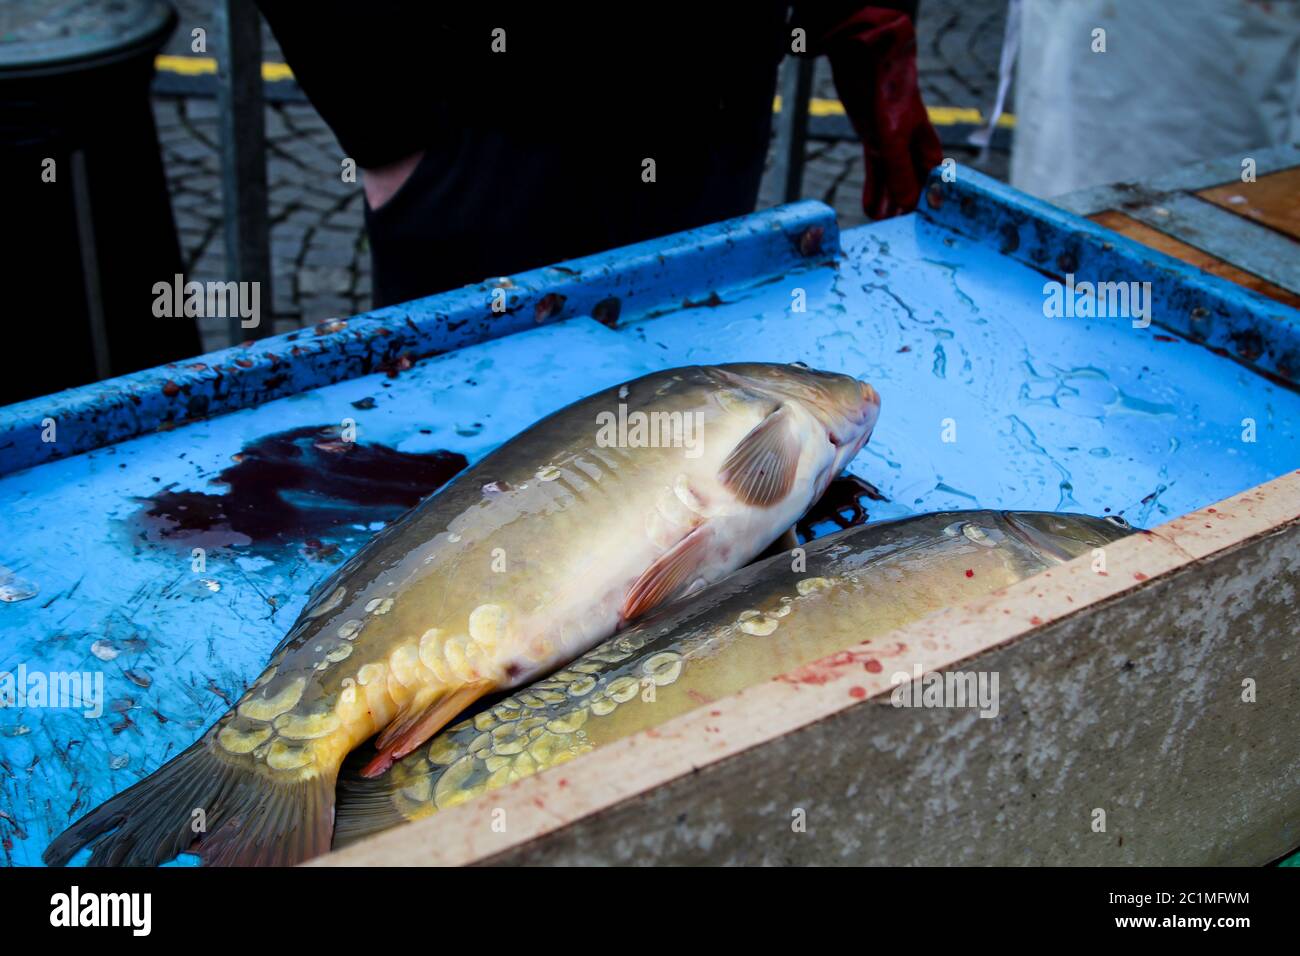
column 1178, row 81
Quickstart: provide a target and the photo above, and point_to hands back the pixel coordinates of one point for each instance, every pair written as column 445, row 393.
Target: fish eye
column 1118, row 522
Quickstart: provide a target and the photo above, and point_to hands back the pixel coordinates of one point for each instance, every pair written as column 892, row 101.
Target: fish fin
column 760, row 471
column 671, row 574
column 250, row 816
column 408, row 716
column 418, row 726
column 368, row 806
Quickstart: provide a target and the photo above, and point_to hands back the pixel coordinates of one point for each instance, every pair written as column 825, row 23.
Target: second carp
column 763, row 621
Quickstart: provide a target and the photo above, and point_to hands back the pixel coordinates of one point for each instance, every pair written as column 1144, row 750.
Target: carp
column 768, row 619
column 568, row 532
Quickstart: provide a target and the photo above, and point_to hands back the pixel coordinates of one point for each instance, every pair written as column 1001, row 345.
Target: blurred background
column 319, row 259
column 1179, row 82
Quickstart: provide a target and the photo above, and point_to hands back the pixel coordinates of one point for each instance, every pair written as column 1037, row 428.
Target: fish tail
column 366, row 806
column 232, row 812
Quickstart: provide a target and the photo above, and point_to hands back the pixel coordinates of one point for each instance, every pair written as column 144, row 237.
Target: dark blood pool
column 842, row 506
column 296, row 486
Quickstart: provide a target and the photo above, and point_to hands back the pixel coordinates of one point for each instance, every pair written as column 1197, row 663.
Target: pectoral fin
column 760, row 471
column 669, row 576
column 417, row 723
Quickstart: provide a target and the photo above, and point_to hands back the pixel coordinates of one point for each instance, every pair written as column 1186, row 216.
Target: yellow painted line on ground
column 939, row 115
column 201, row 65
column 274, row 72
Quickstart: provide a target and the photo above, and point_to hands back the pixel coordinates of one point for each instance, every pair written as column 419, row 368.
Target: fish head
column 845, row 406
column 1066, row 536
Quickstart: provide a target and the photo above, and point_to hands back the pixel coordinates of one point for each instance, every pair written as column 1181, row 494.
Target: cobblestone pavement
column 320, row 261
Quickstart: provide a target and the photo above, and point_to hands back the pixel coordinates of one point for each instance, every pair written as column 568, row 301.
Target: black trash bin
column 89, row 236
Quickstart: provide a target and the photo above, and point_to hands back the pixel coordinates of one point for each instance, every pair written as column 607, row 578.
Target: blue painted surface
column 1049, row 413
column 1219, row 314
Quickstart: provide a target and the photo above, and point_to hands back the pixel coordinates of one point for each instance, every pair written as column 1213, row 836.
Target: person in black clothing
column 492, row 142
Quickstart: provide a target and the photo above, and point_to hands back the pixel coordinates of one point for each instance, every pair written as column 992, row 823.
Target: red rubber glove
column 873, row 59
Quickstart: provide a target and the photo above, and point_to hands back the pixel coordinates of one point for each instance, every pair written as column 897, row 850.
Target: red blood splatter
column 873, row 666
column 858, row 692
column 970, row 573
column 1139, row 576
column 1035, row 620
column 1165, row 338
column 830, row 668
column 170, row 388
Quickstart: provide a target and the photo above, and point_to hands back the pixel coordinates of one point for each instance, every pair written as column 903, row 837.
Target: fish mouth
column 860, row 421
column 868, row 409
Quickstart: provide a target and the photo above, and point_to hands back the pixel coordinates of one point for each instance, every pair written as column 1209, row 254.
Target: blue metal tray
column 987, row 402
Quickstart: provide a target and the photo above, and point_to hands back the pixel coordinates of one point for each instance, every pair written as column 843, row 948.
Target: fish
column 568, row 532
column 766, row 620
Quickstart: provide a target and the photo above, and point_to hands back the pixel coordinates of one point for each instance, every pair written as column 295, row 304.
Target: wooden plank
column 1273, row 200
column 1126, row 225
column 1190, row 178
column 1105, row 704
